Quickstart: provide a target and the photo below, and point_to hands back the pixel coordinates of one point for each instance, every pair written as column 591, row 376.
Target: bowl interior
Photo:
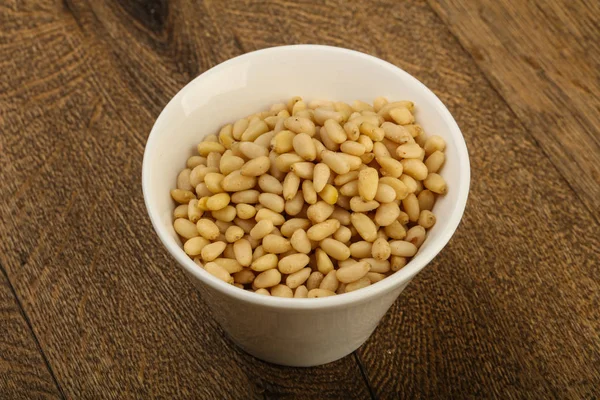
column 253, row 82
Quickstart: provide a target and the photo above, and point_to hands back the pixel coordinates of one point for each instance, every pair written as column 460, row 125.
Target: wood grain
column 509, row 309
column 544, row 59
column 23, row 371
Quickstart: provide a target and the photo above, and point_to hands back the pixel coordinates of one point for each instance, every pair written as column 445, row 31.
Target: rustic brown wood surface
column 93, row 307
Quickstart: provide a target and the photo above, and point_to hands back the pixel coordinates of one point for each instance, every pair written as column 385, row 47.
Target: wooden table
column 91, row 305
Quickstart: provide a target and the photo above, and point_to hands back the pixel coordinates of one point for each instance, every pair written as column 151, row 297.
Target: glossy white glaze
column 297, row 332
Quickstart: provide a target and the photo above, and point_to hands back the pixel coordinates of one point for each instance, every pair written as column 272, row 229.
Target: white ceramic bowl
column 296, row 332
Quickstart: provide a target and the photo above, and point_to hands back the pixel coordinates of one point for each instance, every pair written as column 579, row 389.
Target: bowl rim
column 380, row 288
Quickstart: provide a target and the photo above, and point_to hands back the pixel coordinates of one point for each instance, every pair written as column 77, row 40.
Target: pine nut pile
column 310, row 199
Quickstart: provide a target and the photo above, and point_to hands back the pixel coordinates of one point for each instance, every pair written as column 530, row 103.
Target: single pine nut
column 387, row 213
column 290, row 185
column 402, row 116
column 293, row 263
column 323, row 114
column 397, row 133
column 205, row 148
column 410, row 183
column 182, row 196
column 202, row 190
column 183, row 180
column 335, row 162
column 397, row 263
column 335, row 131
column 342, row 234
column 390, row 166
column 239, row 127
column 265, row 213
column 194, row 161
column 330, row 282
column 276, row 244
column 234, row 233
column 244, row 277
column 308, row 192
column 212, row 251
column 283, row 141
column 380, row 266
column 226, row 214
column 385, row 110
column 359, row 284
column 194, row 246
column 324, row 263
column 411, row 207
column 207, row 229
column 300, row 241
column 380, row 150
column 270, row 184
column 304, row 170
column 265, row 262
column 298, row 278
column 365, row 226
column 245, row 196
column 426, row 219
column 304, row 146
column 213, row 182
column 433, row 144
column 262, row 229
column 335, row 249
column 329, row 194
column 319, row 212
column 402, row 248
column 322, row 230
column 414, row 168
column 252, row 150
column 272, row 202
column 368, row 180
column 242, row 249
column 375, row 277
column 236, row 182
column 300, row 125
column 218, row 272
column 343, row 179
column 265, row 139
column 403, row 218
column 352, row 130
column 245, row 211
column 262, row 291
column 294, row 206
column 301, row 292
column 256, row 166
column 352, row 272
column 181, row 211
column 353, row 148
column 193, row 212
column 230, row 163
column 218, row 201
column 314, row 280
column 381, row 249
column 213, row 160
column 385, row 193
column 294, row 224
column 435, row 161
column 416, row 235
column 436, row 183
column 357, row 204
column 350, row 189
column 366, row 141
column 281, row 290
column 230, row 265
column 395, row 230
column 253, row 131
column 321, row 175
column 268, row 278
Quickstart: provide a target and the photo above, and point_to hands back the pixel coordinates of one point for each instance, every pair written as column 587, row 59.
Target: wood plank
column 543, row 57
column 114, row 314
column 23, row 371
